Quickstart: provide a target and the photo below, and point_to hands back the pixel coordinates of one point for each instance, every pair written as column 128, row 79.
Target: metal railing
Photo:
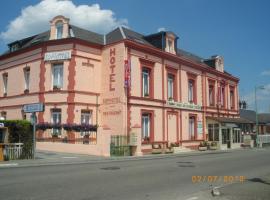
column 263, row 139
column 13, row 151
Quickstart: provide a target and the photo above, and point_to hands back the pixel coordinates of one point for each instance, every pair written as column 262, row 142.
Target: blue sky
column 237, row 30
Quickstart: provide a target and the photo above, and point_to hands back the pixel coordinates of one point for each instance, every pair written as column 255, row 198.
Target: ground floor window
column 146, row 120
column 192, row 129
column 213, row 132
column 86, row 116
column 236, row 136
column 56, row 120
column 225, row 135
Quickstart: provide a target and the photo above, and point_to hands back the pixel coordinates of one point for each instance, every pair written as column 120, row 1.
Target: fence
column 263, row 139
column 13, row 151
column 119, row 146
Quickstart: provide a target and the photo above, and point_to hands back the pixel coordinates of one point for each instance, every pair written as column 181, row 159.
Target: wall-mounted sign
column 35, row 107
column 58, row 55
column 112, row 72
column 127, row 73
column 199, row 127
column 2, row 125
column 189, row 106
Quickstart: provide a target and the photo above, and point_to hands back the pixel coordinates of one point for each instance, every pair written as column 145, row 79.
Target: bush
column 21, row 131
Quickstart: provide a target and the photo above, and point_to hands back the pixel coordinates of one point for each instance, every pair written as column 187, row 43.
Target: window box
column 146, row 140
column 56, row 88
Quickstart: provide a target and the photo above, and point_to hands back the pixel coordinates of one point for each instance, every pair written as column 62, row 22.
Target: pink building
column 129, row 84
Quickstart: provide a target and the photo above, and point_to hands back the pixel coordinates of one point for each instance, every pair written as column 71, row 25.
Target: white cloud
column 161, row 29
column 35, row 18
column 266, row 73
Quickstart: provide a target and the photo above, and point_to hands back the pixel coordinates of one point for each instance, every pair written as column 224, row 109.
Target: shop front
column 225, row 131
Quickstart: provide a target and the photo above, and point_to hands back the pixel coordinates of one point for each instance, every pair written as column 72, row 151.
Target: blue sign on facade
column 35, row 107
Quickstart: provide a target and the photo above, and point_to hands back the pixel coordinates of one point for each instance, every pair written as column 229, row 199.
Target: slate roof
column 263, row 118
column 116, row 35
column 239, row 120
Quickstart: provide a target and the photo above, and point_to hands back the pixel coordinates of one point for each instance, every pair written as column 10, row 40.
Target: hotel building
column 127, row 83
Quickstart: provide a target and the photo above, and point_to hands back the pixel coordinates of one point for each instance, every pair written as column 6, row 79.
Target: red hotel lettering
column 112, row 66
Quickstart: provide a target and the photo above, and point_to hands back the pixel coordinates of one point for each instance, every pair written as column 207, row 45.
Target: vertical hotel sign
column 127, row 73
column 112, row 68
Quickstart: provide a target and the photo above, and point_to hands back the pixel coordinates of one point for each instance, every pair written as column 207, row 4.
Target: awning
column 226, row 120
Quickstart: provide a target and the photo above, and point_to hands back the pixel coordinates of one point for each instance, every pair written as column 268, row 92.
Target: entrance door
column 226, row 138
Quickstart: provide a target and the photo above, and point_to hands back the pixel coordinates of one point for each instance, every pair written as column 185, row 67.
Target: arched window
column 59, row 30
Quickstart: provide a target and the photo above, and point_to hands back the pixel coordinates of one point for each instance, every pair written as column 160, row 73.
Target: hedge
column 21, row 131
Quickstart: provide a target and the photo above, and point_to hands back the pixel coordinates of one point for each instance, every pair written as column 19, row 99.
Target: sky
column 238, row 30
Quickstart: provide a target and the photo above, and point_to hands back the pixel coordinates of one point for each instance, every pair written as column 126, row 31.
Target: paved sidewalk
column 44, row 158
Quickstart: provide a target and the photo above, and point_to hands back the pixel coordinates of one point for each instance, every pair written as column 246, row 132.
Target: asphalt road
column 160, row 179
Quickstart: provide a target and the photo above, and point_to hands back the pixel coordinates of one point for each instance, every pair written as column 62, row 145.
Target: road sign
column 35, row 107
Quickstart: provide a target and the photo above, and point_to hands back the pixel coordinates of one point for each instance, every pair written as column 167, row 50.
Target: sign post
column 33, row 108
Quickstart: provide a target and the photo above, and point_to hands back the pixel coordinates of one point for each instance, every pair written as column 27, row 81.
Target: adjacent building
column 124, row 82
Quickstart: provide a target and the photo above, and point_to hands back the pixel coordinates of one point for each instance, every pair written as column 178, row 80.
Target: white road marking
column 192, row 198
column 9, row 165
column 69, row 157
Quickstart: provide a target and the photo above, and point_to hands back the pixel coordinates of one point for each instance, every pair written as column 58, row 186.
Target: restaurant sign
column 188, row 106
column 58, row 55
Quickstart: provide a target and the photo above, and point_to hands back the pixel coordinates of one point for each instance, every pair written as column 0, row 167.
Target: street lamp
column 256, row 111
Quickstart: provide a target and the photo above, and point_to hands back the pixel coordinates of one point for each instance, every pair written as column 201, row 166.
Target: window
column 236, row 136
column 232, row 99
column 211, row 95
column 146, row 81
column 170, row 86
column 85, row 119
column 3, row 115
column 14, row 47
column 59, row 30
column 191, row 91
column 192, row 128
column 170, row 45
column 56, row 119
column 57, row 74
column 213, row 132
column 222, row 96
column 146, row 118
column 5, row 83
column 26, row 78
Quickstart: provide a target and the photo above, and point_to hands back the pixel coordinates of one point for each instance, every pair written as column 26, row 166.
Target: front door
column 226, row 138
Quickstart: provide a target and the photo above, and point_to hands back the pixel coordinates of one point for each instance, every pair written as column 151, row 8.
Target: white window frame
column 26, row 72
column 5, row 83
column 60, row 74
column 86, row 118
column 146, row 82
column 59, row 30
column 146, row 122
column 58, row 114
column 211, row 95
column 190, row 90
column 191, row 125
column 170, row 86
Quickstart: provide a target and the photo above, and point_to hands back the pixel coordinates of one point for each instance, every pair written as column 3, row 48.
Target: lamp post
column 256, row 112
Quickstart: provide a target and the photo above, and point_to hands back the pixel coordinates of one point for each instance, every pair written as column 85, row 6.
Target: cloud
column 161, row 29
column 265, row 73
column 35, row 19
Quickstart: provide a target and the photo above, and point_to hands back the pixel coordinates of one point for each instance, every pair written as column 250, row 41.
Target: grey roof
column 239, row 120
column 263, row 118
column 87, row 35
column 191, row 56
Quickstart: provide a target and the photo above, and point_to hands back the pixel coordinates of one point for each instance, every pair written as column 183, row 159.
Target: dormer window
column 59, row 30
column 170, row 46
column 171, row 40
column 14, row 47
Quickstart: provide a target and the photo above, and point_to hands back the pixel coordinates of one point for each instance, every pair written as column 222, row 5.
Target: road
column 160, row 179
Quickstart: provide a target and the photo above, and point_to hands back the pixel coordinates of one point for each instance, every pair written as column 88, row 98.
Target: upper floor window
column 57, row 76
column 232, row 102
column 170, row 86
column 59, row 30
column 145, row 82
column 26, row 78
column 14, row 47
column 170, row 46
column 222, row 96
column 191, row 90
column 86, row 116
column 211, row 94
column 5, row 83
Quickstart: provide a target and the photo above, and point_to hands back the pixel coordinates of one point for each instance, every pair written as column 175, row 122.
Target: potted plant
column 203, row 146
column 170, row 99
column 146, row 94
column 213, row 146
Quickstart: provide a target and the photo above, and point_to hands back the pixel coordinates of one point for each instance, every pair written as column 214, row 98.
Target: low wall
column 102, row 148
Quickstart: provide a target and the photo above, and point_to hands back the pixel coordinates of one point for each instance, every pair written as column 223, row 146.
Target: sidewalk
column 46, row 158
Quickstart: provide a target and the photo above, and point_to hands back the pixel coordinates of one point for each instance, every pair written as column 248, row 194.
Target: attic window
column 14, row 47
column 59, row 30
column 170, row 45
